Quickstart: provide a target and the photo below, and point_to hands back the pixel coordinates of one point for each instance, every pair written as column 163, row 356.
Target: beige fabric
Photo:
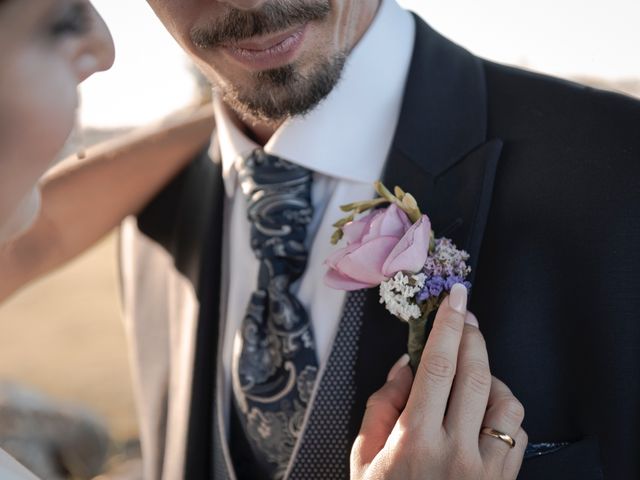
column 162, row 345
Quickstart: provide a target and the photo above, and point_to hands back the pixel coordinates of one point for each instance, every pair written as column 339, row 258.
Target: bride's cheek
column 40, row 112
column 53, row 116
column 49, row 122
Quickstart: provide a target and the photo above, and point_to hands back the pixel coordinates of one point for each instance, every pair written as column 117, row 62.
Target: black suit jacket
column 539, row 179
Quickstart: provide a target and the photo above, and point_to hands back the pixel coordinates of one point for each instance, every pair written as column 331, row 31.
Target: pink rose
column 378, row 246
column 354, row 231
column 410, row 253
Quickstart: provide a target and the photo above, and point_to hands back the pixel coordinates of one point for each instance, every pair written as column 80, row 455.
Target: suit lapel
column 458, row 199
column 198, row 256
column 185, row 219
column 440, row 154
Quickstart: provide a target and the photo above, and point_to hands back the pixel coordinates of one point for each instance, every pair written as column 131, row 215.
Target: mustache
column 272, row 17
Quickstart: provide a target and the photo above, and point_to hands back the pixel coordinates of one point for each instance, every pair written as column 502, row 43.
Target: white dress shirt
column 345, row 141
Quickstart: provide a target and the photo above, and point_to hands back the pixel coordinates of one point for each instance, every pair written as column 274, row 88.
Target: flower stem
column 418, row 333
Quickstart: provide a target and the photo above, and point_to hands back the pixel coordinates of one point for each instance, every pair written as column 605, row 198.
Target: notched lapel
column 458, row 200
column 441, row 155
column 202, row 262
column 444, row 112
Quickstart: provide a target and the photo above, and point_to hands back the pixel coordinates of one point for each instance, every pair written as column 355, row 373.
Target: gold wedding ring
column 499, row 435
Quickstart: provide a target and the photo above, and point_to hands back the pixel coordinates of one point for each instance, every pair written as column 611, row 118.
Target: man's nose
column 245, row 4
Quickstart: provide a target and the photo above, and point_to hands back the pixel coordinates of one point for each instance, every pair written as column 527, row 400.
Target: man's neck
column 261, row 133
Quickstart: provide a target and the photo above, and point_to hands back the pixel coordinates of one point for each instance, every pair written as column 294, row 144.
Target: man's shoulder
column 527, row 106
column 533, row 94
column 182, row 202
column 512, row 77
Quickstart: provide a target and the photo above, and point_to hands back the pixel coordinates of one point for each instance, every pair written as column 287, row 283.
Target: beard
column 273, row 95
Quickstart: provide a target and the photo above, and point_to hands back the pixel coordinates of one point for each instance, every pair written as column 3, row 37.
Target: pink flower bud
column 410, row 253
column 378, row 245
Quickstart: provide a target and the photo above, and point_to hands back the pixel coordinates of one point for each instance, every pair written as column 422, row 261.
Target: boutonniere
column 389, row 244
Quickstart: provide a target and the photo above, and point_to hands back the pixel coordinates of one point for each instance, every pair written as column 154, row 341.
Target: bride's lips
column 266, row 53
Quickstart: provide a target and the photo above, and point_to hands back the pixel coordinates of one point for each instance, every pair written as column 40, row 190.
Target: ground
column 64, row 336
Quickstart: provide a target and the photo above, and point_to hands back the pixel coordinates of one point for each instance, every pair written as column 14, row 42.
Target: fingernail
column 458, row 298
column 403, row 361
column 471, row 319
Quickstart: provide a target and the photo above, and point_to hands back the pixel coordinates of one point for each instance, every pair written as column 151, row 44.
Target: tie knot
column 260, row 172
column 278, row 192
column 279, row 209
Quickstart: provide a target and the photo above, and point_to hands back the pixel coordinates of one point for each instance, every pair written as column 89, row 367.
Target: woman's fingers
column 381, row 415
column 405, row 433
column 513, row 462
column 504, row 414
column 470, row 393
column 431, row 388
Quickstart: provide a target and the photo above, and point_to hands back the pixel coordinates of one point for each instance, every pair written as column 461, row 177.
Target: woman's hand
column 429, row 427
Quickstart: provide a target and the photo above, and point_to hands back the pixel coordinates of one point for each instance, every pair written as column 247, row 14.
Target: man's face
column 270, row 59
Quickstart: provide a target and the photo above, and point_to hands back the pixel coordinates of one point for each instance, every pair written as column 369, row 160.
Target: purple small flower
column 433, row 287
column 423, row 295
column 431, row 267
column 453, row 279
column 436, row 285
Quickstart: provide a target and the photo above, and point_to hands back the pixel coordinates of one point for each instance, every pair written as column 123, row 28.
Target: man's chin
column 285, row 92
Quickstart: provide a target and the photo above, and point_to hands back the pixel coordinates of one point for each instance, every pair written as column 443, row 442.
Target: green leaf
column 342, row 222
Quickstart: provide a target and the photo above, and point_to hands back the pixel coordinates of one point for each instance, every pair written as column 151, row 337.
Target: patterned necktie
column 275, row 363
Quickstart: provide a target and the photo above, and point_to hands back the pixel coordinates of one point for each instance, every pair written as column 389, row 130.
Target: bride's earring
column 81, row 153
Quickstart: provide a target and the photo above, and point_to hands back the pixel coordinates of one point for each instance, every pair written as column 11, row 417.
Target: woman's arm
column 83, row 201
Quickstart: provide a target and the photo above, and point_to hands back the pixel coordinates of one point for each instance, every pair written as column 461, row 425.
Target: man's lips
column 268, row 51
column 265, row 42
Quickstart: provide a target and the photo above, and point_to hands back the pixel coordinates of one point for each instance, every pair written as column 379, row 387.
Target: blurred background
column 63, row 336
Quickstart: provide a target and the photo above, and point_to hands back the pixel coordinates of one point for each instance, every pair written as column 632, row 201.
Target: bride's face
column 47, row 47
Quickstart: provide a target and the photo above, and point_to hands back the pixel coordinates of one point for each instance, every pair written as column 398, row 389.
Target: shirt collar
column 349, row 134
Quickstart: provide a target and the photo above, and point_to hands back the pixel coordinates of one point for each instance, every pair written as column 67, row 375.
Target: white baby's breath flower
column 398, row 295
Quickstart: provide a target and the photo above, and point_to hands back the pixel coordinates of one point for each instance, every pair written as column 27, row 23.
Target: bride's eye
column 75, row 20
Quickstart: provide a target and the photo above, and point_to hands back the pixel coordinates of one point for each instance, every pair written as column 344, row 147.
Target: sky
column 562, row 37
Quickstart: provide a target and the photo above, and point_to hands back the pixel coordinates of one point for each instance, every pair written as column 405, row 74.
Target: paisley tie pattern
column 275, row 364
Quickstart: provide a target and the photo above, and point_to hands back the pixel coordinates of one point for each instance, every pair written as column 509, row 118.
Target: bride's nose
column 97, row 52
